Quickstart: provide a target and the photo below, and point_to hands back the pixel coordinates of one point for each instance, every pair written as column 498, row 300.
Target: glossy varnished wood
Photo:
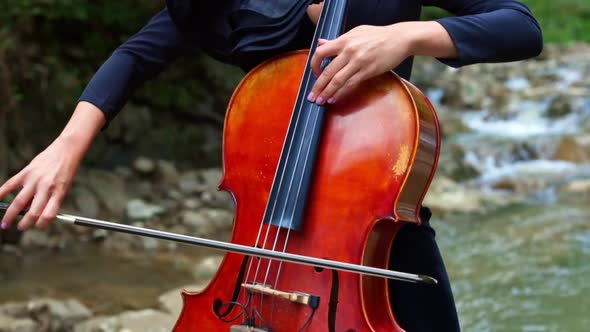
column 369, row 143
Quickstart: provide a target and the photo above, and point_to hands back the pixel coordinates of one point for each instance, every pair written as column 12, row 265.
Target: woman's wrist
column 427, row 38
column 83, row 126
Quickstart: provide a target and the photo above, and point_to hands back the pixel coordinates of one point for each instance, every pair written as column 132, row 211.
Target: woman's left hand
column 362, row 53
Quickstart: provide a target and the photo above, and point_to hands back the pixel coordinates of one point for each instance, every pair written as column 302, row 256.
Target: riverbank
column 516, row 138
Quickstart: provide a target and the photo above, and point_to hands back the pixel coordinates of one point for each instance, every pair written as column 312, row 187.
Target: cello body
column 377, row 155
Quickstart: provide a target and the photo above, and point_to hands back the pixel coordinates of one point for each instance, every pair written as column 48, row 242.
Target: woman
column 382, row 35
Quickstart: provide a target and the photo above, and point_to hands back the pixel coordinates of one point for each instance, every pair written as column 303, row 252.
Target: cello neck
column 292, row 179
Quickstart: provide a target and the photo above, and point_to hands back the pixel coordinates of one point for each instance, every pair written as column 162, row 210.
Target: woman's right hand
column 45, row 182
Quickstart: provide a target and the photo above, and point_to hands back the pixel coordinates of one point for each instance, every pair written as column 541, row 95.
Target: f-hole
column 218, row 303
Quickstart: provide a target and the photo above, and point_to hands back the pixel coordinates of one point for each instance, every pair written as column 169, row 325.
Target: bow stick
column 242, row 249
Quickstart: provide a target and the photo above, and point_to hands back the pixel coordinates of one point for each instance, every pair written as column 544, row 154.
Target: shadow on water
column 522, row 268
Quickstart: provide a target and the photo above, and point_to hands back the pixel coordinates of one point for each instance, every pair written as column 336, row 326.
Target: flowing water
column 524, row 266
column 520, row 267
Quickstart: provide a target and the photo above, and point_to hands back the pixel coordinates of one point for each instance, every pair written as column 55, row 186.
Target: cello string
column 296, row 116
column 289, row 191
column 281, row 177
column 302, row 110
column 315, row 113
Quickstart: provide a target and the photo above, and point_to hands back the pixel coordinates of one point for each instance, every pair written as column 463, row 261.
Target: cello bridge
column 296, row 297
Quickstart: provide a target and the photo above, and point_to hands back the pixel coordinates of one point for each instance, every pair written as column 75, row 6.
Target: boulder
column 207, row 222
column 57, row 315
column 560, row 106
column 171, row 301
column 138, row 209
column 207, row 267
column 10, row 324
column 144, row 166
column 167, row 173
column 574, row 149
column 148, row 320
column 578, row 186
column 85, row 202
column 109, row 188
column 189, row 183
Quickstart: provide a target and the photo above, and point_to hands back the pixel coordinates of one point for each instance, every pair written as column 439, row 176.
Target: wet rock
column 573, row 148
column 192, row 203
column 500, row 98
column 453, row 163
column 99, row 234
column 196, row 220
column 189, row 183
column 124, row 172
column 578, row 186
column 35, row 238
column 217, row 199
column 175, row 194
column 560, row 106
column 144, row 166
column 520, row 185
column 464, row 92
column 149, row 243
column 144, row 189
column 140, row 210
column 523, row 151
column 99, row 324
column 447, row 196
column 210, row 196
column 207, row 267
column 148, row 320
column 121, row 242
column 54, row 315
column 167, row 173
column 169, row 204
column 171, row 301
column 10, row 324
column 210, row 177
column 207, row 222
column 424, row 71
column 85, row 201
column 14, row 309
column 110, row 189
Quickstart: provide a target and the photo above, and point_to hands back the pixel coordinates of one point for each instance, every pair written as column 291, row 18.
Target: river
column 518, row 257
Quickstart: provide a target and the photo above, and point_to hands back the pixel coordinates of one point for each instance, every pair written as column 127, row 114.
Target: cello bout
column 378, row 151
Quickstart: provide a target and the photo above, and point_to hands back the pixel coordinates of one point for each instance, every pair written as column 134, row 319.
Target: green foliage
column 562, row 21
column 49, row 50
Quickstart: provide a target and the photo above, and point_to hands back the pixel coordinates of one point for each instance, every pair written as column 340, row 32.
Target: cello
column 335, row 184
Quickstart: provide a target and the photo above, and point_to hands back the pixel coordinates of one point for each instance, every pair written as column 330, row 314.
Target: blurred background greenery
column 511, row 197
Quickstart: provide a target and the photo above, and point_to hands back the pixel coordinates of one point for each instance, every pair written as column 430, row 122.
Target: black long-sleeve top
column 482, row 30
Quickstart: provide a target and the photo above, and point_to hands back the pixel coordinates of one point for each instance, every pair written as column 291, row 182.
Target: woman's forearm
column 367, row 51
column 428, row 38
column 82, row 128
